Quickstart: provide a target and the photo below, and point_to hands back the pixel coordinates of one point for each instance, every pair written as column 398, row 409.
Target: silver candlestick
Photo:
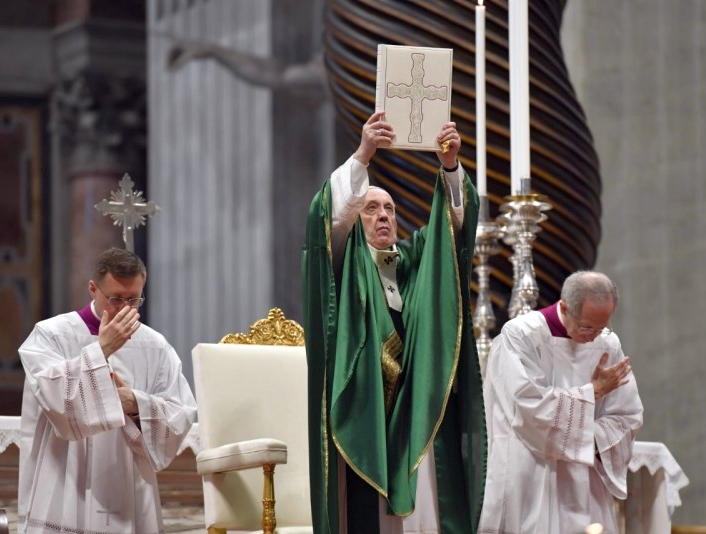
column 488, row 234
column 521, row 215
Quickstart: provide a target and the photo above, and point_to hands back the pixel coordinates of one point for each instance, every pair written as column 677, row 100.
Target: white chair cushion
column 241, row 455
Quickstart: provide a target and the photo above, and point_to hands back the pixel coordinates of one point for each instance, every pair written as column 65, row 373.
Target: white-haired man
column 397, row 437
column 563, row 411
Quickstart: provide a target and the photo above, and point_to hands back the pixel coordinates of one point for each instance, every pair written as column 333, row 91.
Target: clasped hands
column 376, row 133
column 606, row 379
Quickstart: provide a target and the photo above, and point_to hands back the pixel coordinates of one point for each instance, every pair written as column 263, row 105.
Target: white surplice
column 84, row 466
column 556, row 457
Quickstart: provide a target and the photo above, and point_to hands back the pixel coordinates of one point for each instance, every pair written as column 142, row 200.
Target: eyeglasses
column 587, row 330
column 119, row 302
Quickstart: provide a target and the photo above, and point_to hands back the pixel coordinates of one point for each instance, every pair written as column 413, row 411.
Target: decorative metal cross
column 128, row 209
column 417, row 92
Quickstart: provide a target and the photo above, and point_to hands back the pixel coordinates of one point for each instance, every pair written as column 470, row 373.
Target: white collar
column 384, row 258
column 386, row 262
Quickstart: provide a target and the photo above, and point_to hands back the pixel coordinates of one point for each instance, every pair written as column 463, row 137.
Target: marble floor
column 184, row 519
column 180, row 492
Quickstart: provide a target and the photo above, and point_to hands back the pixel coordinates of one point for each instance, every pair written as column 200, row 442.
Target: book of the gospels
column 414, row 89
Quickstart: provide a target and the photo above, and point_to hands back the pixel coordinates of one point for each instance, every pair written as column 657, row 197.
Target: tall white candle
column 518, row 29
column 481, row 165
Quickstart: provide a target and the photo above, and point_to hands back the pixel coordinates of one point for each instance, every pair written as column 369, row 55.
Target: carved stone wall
column 97, row 134
column 62, row 70
column 23, row 258
column 101, row 129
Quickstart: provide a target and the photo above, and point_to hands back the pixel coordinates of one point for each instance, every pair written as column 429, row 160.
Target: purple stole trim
column 551, row 315
column 92, row 322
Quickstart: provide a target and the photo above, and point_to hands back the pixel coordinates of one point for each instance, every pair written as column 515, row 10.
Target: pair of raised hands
column 376, row 132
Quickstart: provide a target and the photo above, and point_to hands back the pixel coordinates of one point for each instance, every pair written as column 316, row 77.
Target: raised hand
column 112, row 334
column 450, row 136
column 606, row 379
column 375, row 133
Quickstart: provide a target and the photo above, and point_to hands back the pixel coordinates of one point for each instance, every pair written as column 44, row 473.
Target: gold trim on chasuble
column 459, row 321
column 357, row 471
column 391, row 350
column 391, row 369
column 324, row 403
column 341, row 452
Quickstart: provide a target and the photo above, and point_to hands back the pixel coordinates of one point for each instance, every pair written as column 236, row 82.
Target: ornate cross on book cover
column 128, row 209
column 413, row 87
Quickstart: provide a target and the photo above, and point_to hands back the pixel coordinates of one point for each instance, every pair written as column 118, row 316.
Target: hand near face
column 607, row 379
column 113, row 334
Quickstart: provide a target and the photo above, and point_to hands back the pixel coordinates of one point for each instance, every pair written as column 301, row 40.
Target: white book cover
column 414, row 89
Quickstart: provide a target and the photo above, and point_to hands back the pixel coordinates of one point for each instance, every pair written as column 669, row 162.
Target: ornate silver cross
column 128, row 209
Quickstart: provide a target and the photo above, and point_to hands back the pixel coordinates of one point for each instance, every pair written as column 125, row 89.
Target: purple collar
column 92, row 322
column 551, row 315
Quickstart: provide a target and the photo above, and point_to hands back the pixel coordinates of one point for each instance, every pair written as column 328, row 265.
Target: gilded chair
column 251, row 392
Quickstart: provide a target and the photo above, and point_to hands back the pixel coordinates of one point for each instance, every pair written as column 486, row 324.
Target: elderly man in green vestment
column 396, row 420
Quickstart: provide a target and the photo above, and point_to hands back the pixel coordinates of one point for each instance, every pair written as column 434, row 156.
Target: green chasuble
column 355, row 355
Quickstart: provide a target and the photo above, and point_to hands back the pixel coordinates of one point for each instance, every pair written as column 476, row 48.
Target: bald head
column 584, row 286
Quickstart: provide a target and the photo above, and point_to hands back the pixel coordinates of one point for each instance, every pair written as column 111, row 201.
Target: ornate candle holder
column 521, row 215
column 488, row 234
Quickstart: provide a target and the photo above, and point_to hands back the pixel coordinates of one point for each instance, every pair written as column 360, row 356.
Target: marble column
column 100, row 116
column 91, row 232
column 210, row 170
column 98, row 133
column 241, row 137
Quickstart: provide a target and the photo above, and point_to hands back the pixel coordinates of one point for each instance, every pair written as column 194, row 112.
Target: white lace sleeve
column 349, row 184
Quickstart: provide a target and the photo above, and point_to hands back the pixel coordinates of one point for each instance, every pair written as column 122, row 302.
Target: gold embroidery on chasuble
column 386, row 263
column 391, row 369
column 459, row 321
column 324, row 403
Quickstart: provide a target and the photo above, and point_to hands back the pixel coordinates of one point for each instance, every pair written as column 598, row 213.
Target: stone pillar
column 91, row 232
column 210, row 169
column 102, row 120
column 303, row 156
column 99, row 128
